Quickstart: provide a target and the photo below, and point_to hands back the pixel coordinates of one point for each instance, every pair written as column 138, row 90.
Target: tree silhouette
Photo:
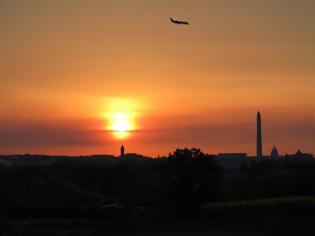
column 196, row 179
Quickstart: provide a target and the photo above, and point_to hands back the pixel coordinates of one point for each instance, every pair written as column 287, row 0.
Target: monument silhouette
column 122, row 151
column 259, row 136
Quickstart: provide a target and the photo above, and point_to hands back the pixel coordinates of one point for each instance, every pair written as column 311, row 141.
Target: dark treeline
column 174, row 186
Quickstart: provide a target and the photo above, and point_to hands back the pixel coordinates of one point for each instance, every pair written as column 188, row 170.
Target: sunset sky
column 69, row 67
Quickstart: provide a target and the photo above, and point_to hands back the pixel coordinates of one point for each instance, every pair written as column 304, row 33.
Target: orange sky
column 63, row 63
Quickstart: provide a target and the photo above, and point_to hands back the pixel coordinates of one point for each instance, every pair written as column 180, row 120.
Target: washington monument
column 259, row 138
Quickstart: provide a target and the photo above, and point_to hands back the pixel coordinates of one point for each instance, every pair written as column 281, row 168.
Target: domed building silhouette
column 274, row 152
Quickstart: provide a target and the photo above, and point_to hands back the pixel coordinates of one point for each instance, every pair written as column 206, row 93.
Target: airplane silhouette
column 179, row 22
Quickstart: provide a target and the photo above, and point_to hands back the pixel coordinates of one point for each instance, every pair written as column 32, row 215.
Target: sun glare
column 121, row 118
column 121, row 122
column 121, row 125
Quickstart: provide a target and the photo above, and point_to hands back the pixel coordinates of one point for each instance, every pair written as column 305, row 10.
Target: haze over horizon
column 68, row 67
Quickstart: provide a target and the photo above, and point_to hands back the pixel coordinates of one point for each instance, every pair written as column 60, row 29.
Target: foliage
column 195, row 176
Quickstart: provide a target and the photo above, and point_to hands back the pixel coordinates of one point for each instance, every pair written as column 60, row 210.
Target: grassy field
column 266, row 202
column 275, row 216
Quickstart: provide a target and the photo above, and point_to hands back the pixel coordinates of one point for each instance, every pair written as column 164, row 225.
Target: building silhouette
column 122, row 151
column 274, row 152
column 259, row 136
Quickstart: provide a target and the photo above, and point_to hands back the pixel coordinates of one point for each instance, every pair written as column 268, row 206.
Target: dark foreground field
column 282, row 216
column 85, row 227
column 187, row 193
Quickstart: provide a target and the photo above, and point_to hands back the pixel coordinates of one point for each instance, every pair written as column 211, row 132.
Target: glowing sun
column 121, row 119
column 121, row 124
